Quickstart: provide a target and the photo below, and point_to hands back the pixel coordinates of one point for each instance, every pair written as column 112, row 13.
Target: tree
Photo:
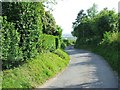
column 49, row 25
column 79, row 18
column 106, row 21
column 90, row 27
column 92, row 11
column 58, row 31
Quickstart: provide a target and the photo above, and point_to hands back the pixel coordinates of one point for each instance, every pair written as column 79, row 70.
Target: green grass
column 36, row 71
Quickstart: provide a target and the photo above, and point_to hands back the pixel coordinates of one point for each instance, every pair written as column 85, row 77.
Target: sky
column 65, row 12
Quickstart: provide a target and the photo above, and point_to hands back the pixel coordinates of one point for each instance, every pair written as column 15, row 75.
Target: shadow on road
column 81, row 63
column 78, row 86
column 71, row 50
column 83, row 85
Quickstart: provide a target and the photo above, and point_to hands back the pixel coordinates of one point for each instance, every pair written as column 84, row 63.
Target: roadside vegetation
column 35, row 71
column 67, row 42
column 99, row 32
column 31, row 44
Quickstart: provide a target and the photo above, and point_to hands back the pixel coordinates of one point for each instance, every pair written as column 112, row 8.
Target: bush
column 10, row 52
column 20, row 31
column 66, row 42
column 13, row 54
column 63, row 45
column 110, row 49
column 27, row 17
column 111, row 37
column 48, row 42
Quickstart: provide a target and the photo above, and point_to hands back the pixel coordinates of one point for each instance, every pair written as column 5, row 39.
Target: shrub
column 111, row 37
column 63, row 45
column 48, row 42
column 111, row 42
column 26, row 17
column 22, row 37
column 67, row 42
column 11, row 52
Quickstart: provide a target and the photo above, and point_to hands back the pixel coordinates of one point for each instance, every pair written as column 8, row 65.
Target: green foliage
column 110, row 53
column 22, row 37
column 99, row 33
column 61, row 54
column 49, row 25
column 36, row 71
column 81, row 15
column 48, row 42
column 106, row 20
column 26, row 15
column 27, row 19
column 58, row 31
column 63, row 45
column 112, row 42
column 111, row 37
column 66, row 42
column 22, row 40
column 88, row 27
column 11, row 52
column 92, row 11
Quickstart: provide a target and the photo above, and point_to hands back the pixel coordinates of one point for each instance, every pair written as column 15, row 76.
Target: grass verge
column 36, row 71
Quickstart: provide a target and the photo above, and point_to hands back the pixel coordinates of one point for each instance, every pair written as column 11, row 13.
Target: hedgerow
column 10, row 52
column 26, row 50
column 22, row 33
column 48, row 43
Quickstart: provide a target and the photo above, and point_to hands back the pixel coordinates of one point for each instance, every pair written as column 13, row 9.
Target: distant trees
column 91, row 26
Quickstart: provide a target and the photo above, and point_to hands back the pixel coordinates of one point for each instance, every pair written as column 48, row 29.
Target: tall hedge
column 22, row 37
column 27, row 18
column 48, row 42
column 10, row 52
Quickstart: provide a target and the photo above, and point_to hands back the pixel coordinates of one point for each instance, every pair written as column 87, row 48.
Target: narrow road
column 85, row 70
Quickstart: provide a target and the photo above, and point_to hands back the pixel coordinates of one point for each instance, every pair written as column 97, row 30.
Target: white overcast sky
column 65, row 12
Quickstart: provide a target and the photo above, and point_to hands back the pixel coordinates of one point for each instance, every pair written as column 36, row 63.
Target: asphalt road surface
column 85, row 70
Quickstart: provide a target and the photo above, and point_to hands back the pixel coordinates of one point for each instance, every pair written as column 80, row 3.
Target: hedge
column 21, row 32
column 48, row 42
column 27, row 19
column 10, row 50
column 12, row 54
